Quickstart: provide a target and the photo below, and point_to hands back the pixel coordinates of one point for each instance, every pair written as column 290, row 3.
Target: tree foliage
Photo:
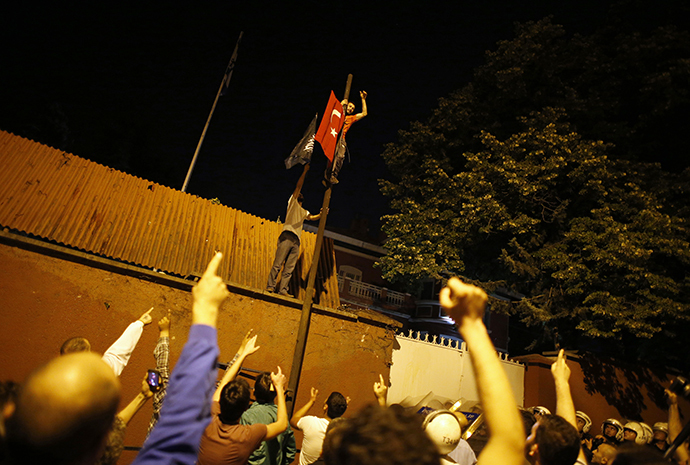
column 538, row 176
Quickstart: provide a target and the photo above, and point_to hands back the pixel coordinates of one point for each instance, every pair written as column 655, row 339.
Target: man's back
column 314, row 429
column 278, row 451
column 224, row 443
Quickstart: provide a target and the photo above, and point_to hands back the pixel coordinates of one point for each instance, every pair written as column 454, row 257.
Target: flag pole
column 223, row 85
column 303, row 332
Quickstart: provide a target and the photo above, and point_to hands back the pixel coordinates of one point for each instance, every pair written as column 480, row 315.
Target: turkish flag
column 330, row 126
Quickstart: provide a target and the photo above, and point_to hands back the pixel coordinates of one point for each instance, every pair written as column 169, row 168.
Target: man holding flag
column 337, row 163
column 289, row 240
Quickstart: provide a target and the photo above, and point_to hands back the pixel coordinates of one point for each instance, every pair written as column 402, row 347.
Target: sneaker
column 286, row 294
column 270, row 289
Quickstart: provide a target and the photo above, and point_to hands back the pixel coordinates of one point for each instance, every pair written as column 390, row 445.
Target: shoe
column 268, row 289
column 286, row 294
column 334, row 180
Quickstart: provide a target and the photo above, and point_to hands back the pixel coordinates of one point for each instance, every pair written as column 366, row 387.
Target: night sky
column 130, row 85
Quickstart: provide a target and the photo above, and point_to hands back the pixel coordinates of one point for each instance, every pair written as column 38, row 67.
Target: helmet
column 662, row 426
column 616, row 424
column 588, row 423
column 637, row 429
column 648, row 433
column 443, row 428
column 539, row 410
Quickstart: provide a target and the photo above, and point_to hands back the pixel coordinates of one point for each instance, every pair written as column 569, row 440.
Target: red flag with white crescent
column 330, row 126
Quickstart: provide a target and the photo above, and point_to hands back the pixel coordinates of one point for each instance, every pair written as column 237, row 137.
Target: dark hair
column 75, row 344
column 632, row 454
column 262, row 388
column 9, row 390
column 528, row 421
column 558, row 441
column 337, row 404
column 234, row 400
column 380, row 436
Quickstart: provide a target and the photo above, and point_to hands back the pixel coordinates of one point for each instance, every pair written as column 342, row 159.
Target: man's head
column 528, row 421
column 349, row 107
column 637, row 455
column 553, row 441
column 234, row 400
column 75, row 344
column 612, row 430
column 604, row 454
column 380, row 436
column 64, row 411
column 264, row 392
column 633, row 432
column 584, row 423
column 444, row 430
column 335, row 406
column 660, row 436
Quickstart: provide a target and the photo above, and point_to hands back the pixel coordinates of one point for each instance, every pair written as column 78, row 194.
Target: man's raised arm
column 247, row 348
column 465, row 304
column 118, row 354
column 364, row 106
column 297, row 416
column 565, row 408
column 281, row 423
column 175, row 439
column 300, row 182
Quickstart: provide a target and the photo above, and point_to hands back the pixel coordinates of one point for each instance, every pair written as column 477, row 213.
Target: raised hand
column 146, row 317
column 463, row 302
column 208, row 294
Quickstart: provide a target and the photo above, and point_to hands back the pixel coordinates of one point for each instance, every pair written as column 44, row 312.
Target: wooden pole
column 224, row 83
column 305, row 319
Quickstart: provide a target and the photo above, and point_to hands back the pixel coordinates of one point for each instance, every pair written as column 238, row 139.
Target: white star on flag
column 334, row 133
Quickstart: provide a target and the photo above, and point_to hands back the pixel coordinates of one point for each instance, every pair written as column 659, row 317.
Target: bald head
column 64, row 411
column 604, row 454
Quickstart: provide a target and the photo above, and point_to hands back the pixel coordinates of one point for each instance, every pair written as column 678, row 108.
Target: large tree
column 537, row 176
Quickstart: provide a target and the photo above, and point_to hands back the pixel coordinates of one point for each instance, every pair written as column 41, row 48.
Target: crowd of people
column 65, row 412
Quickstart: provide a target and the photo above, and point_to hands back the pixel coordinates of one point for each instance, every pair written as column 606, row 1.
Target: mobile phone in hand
column 153, row 379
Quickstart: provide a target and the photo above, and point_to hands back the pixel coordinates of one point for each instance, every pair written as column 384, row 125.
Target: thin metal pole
column 223, row 85
column 305, row 319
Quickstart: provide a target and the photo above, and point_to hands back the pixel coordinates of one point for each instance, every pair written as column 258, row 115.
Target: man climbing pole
column 349, row 108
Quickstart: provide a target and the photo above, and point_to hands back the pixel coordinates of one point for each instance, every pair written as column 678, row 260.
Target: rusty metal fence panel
column 57, row 196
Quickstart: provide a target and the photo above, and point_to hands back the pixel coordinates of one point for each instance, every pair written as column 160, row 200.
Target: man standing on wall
column 287, row 251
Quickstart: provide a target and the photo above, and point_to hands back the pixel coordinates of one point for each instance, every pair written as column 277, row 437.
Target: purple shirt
column 187, row 408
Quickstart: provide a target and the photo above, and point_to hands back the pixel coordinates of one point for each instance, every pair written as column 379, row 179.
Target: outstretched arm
column 281, row 423
column 364, row 106
column 300, row 181
column 465, row 304
column 315, row 217
column 565, row 408
column 246, row 349
column 675, row 426
column 133, row 407
column 188, row 408
column 118, row 354
column 297, row 416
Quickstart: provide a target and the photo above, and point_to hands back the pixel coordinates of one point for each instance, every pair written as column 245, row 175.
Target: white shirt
column 463, row 454
column 118, row 354
column 314, row 429
column 295, row 216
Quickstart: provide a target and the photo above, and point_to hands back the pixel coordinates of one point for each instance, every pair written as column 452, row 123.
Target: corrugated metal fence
column 63, row 198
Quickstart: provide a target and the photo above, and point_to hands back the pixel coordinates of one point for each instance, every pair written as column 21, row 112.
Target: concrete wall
column 49, row 294
column 420, row 367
